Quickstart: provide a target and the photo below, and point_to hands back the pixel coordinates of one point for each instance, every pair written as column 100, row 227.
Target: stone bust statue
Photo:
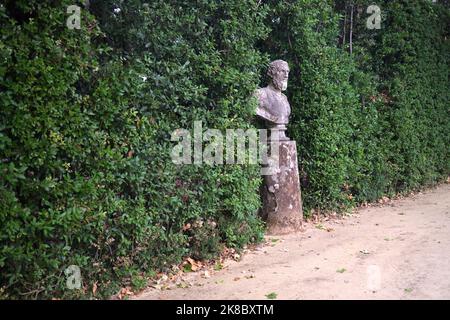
column 280, row 193
column 273, row 105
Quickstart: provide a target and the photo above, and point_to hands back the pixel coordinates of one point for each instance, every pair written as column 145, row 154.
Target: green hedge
column 87, row 177
column 86, row 118
column 369, row 123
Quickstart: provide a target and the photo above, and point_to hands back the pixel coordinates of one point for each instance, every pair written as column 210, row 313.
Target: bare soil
column 398, row 250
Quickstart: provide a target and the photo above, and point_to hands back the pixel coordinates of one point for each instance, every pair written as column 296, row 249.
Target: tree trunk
column 351, row 30
column 345, row 25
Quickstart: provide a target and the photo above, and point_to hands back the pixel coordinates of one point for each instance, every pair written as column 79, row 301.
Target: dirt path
column 400, row 250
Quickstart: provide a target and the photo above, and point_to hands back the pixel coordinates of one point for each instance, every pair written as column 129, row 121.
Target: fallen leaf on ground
column 271, row 295
column 183, row 285
column 191, row 265
column 163, row 278
column 125, row 292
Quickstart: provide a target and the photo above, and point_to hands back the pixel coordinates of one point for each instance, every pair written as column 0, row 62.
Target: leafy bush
column 372, row 122
column 87, row 177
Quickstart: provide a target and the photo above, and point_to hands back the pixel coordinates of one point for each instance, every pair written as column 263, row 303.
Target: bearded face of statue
column 280, row 76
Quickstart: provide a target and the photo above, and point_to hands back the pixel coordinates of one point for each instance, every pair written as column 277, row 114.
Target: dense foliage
column 86, row 121
column 87, row 115
column 370, row 105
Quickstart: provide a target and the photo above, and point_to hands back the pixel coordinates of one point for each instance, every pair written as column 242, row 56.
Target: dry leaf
column 190, row 260
column 157, row 286
column 126, row 291
column 162, row 278
column 193, row 263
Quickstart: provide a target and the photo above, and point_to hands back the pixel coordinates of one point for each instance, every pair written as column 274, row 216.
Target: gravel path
column 399, row 250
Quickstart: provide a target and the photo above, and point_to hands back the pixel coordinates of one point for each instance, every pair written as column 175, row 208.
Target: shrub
column 371, row 122
column 87, row 177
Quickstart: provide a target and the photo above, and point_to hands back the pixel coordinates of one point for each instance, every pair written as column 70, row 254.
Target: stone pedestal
column 282, row 205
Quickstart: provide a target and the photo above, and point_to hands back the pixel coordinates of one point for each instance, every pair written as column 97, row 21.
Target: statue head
column 279, row 73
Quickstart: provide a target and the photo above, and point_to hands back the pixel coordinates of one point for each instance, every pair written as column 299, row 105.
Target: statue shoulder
column 261, row 93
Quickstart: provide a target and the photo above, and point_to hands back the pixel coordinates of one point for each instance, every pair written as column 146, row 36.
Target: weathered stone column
column 282, row 205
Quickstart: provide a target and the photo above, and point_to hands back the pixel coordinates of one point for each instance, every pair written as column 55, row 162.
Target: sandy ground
column 400, row 250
